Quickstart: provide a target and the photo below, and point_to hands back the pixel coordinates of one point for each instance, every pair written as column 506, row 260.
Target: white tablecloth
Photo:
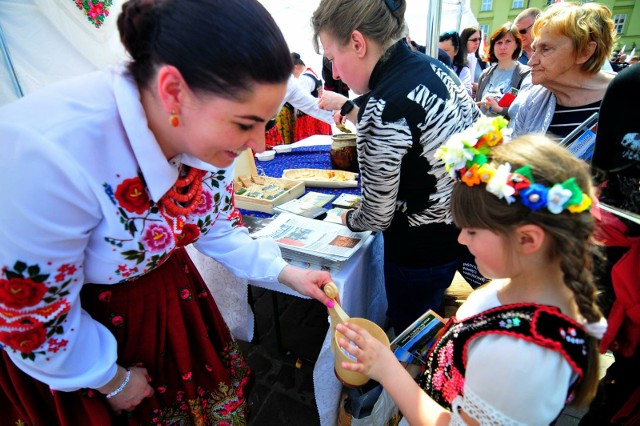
column 361, row 285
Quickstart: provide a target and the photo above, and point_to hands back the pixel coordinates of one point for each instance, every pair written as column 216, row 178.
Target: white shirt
column 301, row 99
column 466, row 78
column 69, row 150
column 509, row 380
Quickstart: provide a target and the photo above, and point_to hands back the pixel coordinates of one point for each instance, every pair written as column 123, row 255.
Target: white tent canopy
column 294, row 19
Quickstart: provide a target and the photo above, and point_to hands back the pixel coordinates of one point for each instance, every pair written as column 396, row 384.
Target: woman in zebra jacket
column 410, row 104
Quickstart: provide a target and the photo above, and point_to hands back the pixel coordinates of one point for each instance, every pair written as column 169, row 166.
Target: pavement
column 283, row 390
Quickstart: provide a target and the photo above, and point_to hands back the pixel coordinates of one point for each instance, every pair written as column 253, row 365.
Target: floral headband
column 465, row 158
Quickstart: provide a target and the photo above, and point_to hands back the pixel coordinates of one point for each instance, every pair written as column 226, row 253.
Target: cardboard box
column 246, row 176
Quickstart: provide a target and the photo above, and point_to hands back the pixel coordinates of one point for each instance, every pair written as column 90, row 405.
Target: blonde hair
column 571, row 234
column 583, row 24
column 373, row 18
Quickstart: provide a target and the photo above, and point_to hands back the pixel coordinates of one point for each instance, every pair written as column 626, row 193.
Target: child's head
column 528, row 181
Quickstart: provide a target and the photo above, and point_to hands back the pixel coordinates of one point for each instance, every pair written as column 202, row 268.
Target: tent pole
column 433, row 27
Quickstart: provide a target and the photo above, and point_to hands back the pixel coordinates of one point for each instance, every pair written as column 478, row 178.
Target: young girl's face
column 490, row 250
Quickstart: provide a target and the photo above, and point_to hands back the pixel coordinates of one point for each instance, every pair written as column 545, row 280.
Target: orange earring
column 174, row 119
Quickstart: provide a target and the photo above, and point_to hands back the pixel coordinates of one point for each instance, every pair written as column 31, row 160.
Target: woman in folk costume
column 109, row 176
column 307, row 125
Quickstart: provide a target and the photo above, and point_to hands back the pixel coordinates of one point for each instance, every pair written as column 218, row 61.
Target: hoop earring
column 174, row 119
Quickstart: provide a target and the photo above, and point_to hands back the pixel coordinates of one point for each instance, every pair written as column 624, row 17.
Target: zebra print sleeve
column 381, row 147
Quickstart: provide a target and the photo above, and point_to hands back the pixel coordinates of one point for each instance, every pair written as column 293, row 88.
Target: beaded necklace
column 183, row 198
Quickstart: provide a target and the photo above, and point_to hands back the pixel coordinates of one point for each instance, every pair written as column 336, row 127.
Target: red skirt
column 307, row 125
column 166, row 322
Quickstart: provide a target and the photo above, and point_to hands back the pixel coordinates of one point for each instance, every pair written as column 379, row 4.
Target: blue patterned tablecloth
column 306, row 157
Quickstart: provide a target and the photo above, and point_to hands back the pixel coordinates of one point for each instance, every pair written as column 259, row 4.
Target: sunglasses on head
column 524, row 30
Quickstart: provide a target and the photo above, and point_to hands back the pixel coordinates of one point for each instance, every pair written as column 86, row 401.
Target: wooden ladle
column 338, row 315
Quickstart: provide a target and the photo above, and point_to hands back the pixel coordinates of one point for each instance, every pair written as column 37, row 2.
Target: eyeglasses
column 524, row 30
column 474, row 39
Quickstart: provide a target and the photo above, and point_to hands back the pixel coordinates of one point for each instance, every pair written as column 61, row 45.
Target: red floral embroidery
column 56, row 344
column 117, row 320
column 95, row 10
column 157, row 238
column 18, row 293
column 105, row 296
column 24, row 341
column 189, row 234
column 132, row 195
column 204, row 204
column 185, row 294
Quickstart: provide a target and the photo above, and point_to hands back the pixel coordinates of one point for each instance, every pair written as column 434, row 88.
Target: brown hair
column 571, row 233
column 499, row 34
column 380, row 20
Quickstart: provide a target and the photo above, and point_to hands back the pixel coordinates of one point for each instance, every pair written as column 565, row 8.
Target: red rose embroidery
column 105, row 296
column 132, row 195
column 18, row 293
column 117, row 320
column 190, row 233
column 24, row 341
column 185, row 294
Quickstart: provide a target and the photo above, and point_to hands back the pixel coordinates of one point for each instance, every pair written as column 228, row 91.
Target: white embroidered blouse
column 509, row 381
column 81, row 177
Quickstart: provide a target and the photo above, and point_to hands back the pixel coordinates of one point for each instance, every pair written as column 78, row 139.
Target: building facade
column 626, row 15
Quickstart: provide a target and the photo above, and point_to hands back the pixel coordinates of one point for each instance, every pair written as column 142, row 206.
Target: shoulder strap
column 318, row 83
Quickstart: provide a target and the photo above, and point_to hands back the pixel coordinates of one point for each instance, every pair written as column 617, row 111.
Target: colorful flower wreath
column 465, row 158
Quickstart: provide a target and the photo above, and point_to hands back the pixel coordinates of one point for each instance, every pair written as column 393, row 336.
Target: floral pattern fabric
column 444, row 375
column 97, row 218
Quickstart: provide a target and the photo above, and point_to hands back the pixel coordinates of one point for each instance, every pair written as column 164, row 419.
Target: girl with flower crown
column 525, row 344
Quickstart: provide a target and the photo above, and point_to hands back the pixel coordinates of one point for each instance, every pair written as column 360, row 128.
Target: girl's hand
column 374, row 358
column 133, row 393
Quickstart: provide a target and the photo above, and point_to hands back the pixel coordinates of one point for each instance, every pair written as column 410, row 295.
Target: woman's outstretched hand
column 307, row 282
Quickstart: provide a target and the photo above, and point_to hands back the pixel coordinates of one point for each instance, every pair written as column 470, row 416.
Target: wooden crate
column 245, row 171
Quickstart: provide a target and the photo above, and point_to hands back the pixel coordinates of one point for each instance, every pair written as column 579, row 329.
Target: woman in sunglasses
column 470, row 37
column 571, row 43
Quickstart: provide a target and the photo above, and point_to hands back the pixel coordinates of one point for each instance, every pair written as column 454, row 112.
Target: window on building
column 618, row 21
column 484, row 28
column 517, row 4
column 486, row 6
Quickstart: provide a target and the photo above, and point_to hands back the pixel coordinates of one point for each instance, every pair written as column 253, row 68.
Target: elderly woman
column 506, row 73
column 571, row 43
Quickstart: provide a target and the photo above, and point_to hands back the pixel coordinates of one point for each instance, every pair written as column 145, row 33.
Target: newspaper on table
column 315, row 241
column 310, row 204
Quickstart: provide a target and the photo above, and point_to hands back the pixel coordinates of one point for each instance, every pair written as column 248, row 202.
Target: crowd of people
column 110, row 174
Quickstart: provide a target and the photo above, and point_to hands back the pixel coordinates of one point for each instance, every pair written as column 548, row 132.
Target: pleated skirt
column 166, row 322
